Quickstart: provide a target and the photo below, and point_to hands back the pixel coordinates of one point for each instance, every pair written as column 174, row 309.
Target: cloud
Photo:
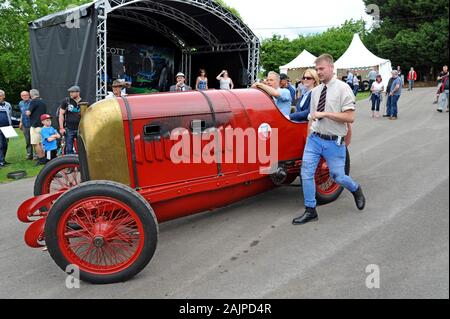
column 293, row 17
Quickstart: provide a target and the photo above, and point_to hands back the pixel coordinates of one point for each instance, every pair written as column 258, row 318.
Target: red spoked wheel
column 61, row 173
column 106, row 229
column 327, row 190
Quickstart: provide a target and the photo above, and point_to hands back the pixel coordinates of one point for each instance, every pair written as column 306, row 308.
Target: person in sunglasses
column 310, row 80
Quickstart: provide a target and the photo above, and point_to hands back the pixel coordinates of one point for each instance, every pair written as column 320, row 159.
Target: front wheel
column 327, row 190
column 106, row 229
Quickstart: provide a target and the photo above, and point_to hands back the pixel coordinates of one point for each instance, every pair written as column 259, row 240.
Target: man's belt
column 328, row 137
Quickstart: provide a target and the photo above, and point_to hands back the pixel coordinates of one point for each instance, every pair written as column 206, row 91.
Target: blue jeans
column 3, row 147
column 394, row 105
column 355, row 89
column 70, row 136
column 443, row 100
column 376, row 101
column 334, row 155
column 411, row 84
column 388, row 105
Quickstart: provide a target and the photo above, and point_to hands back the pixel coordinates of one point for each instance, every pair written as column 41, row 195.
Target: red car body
column 127, row 140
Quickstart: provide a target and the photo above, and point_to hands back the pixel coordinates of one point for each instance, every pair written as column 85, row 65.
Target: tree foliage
column 412, row 34
column 278, row 51
column 15, row 69
column 231, row 9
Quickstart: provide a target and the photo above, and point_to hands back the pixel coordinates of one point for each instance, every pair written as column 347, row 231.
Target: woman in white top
column 226, row 83
column 377, row 89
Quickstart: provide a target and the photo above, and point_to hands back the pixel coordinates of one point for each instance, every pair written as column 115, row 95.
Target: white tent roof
column 304, row 60
column 358, row 56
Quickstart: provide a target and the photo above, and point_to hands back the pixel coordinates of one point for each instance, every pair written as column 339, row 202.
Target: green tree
column 15, row 69
column 278, row 51
column 412, row 33
column 231, row 9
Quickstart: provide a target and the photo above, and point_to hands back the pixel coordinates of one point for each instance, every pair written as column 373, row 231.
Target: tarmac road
column 251, row 250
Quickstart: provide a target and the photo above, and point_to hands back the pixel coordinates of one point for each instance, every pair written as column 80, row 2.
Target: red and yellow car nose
column 103, row 143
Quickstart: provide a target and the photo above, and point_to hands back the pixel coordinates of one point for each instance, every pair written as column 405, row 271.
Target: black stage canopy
column 150, row 39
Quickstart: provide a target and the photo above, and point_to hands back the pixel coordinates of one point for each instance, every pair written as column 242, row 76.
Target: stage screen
column 149, row 68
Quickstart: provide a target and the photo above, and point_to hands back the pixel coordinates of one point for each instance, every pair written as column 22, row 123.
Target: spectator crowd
column 43, row 142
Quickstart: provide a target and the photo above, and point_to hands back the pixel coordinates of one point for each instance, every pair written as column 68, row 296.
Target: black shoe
column 6, row 163
column 2, row 165
column 385, row 115
column 310, row 215
column 360, row 200
column 41, row 161
column 440, row 111
column 30, row 157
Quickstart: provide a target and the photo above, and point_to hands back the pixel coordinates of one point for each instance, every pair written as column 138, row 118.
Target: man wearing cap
column 69, row 117
column 118, row 87
column 49, row 136
column 181, row 85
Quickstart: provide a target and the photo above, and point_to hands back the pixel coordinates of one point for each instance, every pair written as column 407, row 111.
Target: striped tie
column 322, row 100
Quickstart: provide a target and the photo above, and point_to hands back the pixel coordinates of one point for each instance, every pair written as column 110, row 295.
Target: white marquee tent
column 303, row 61
column 358, row 56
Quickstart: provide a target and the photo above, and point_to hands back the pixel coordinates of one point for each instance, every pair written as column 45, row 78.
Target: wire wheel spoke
column 324, row 182
column 64, row 177
column 102, row 234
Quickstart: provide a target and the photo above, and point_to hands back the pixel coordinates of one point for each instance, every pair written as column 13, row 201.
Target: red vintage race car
column 144, row 160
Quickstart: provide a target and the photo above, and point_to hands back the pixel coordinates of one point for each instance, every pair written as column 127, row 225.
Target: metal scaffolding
column 134, row 10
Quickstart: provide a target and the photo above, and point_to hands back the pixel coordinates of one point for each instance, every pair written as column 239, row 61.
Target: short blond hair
column 314, row 75
column 325, row 57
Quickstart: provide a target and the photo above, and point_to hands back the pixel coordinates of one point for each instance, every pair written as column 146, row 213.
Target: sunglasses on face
column 307, row 78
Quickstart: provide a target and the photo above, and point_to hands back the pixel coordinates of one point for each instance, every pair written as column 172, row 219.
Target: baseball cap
column 74, row 88
column 45, row 117
column 181, row 74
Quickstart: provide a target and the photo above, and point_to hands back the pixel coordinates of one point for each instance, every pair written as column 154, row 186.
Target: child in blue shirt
column 49, row 137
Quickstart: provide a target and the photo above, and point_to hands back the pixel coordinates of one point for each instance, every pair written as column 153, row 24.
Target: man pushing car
column 332, row 110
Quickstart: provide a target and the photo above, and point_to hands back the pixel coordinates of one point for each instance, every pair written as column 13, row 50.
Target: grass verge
column 16, row 155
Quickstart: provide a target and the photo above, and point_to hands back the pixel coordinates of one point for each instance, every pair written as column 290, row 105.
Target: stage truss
column 134, row 10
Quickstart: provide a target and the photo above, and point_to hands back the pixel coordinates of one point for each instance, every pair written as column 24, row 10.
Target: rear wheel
column 327, row 190
column 106, row 229
column 365, row 86
column 61, row 173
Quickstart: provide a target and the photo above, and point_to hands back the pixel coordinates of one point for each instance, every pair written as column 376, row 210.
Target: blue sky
column 263, row 15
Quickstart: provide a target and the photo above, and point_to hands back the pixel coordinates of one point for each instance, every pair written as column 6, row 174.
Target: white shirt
column 377, row 87
column 225, row 84
column 340, row 98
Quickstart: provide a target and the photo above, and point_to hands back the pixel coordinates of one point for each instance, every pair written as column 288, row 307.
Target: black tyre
column 290, row 179
column 327, row 190
column 108, row 230
column 365, row 86
column 61, row 173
